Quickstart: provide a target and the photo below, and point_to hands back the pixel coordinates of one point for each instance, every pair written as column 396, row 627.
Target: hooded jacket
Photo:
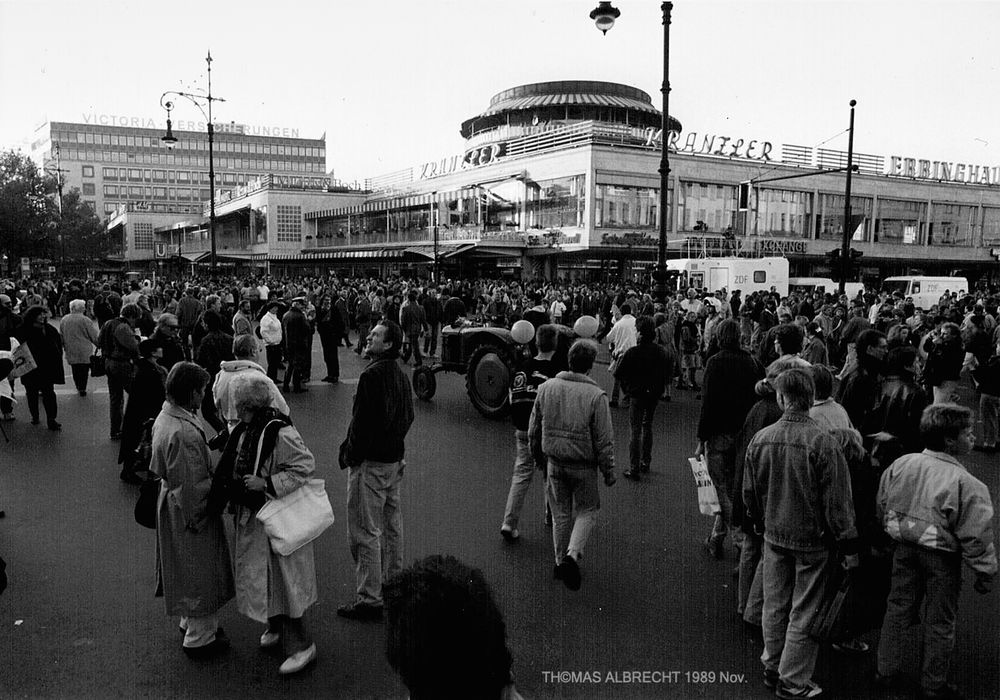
column 223, row 392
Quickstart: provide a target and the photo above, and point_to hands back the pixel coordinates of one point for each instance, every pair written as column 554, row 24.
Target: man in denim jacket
column 940, row 515
column 797, row 483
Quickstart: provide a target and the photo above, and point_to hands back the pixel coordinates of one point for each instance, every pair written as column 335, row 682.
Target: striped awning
column 368, row 254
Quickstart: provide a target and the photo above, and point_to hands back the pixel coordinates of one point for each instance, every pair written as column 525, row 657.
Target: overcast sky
column 391, row 81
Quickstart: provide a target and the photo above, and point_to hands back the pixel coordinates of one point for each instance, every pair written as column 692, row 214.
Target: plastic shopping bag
column 708, row 498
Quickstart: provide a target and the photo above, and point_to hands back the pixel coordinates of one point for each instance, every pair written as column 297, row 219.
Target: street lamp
column 845, row 244
column 169, row 140
column 604, row 16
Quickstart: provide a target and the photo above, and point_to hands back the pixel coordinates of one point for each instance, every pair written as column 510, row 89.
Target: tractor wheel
column 488, row 380
column 424, row 383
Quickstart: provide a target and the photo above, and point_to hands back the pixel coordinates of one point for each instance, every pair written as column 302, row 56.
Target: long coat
column 193, row 566
column 46, row 348
column 79, row 335
column 145, row 400
column 268, row 584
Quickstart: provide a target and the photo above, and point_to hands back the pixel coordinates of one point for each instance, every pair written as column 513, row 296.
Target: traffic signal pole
column 845, row 244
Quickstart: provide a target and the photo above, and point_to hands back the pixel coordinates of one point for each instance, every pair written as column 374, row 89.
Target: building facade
column 117, row 160
column 562, row 179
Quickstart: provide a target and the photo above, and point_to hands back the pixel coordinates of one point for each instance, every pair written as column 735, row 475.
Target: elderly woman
column 79, row 336
column 193, row 566
column 269, row 587
column 45, row 345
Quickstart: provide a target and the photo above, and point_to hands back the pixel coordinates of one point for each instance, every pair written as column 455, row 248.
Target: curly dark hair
column 445, row 636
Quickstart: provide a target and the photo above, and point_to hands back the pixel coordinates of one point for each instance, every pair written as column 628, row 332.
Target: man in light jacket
column 570, row 431
column 621, row 337
column 270, row 333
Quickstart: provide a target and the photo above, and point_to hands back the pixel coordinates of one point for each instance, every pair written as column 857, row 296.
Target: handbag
column 145, row 507
column 708, row 497
column 97, row 368
column 830, row 623
column 297, row 518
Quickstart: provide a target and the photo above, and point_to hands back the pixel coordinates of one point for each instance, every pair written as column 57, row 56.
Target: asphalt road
column 79, row 619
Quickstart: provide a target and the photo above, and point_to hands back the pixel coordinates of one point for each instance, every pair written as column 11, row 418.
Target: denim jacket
column 797, row 481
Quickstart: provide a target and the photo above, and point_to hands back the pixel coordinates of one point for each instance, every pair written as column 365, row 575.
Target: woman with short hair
column 193, row 568
column 46, row 348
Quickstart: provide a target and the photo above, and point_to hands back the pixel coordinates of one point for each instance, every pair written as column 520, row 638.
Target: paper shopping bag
column 708, row 498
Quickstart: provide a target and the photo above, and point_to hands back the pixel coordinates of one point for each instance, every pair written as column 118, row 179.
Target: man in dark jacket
column 373, row 452
column 642, row 373
column 297, row 334
column 894, row 422
column 730, row 377
column 432, row 316
column 413, row 322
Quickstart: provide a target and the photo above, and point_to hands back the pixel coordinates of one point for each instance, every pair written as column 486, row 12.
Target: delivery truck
column 745, row 274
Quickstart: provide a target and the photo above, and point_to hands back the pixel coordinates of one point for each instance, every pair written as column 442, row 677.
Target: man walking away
column 570, row 430
column 413, row 322
column 796, row 482
column 642, row 373
column 373, row 452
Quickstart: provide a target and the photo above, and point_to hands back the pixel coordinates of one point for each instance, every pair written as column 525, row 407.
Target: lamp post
column 604, row 16
column 169, row 140
column 845, row 244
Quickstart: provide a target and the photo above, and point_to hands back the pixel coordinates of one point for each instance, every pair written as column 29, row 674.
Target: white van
column 745, row 274
column 824, row 285
column 925, row 291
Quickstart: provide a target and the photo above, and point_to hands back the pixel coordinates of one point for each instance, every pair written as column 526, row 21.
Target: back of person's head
column 728, row 335
column 867, row 340
column 213, row 321
column 77, row 305
column 445, row 636
column 823, row 382
column 645, row 329
column 626, row 309
column 582, row 354
column 901, row 359
column 796, row 388
column 944, row 421
column 131, row 312
column 546, row 337
column 184, row 380
column 251, row 391
column 789, row 337
column 244, row 346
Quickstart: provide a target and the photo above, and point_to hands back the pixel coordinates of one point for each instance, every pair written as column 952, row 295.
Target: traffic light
column 835, row 265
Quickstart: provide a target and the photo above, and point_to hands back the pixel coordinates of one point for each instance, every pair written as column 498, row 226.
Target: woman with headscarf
column 46, row 348
column 269, row 459
column 193, row 566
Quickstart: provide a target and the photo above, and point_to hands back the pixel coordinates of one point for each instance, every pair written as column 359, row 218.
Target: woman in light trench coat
column 269, row 587
column 193, row 566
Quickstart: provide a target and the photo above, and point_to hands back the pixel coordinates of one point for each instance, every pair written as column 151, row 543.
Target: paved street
column 79, row 619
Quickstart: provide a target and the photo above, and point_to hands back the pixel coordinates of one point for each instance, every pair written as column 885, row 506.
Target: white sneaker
column 298, row 661
column 269, row 639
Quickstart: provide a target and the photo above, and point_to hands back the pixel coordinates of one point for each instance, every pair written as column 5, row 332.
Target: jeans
column 81, row 372
column 363, row 328
column 931, row 580
column 524, row 472
column 720, row 453
column 414, row 341
column 640, row 447
column 989, row 409
column 374, row 525
column 431, row 339
column 569, row 490
column 750, row 595
column 793, row 589
column 120, row 373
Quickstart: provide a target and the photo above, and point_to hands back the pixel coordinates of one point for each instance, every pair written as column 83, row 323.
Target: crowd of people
column 831, row 427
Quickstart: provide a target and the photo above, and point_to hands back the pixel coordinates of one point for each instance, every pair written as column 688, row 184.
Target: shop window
column 952, row 224
column 708, row 214
column 289, row 223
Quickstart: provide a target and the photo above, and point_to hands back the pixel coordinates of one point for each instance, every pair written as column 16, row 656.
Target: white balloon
column 522, row 331
column 585, row 326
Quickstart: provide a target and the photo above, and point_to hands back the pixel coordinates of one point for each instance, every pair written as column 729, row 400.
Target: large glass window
column 991, row 226
column 555, row 203
column 900, row 221
column 623, row 206
column 707, row 207
column 952, row 224
column 289, row 220
column 830, row 218
column 785, row 213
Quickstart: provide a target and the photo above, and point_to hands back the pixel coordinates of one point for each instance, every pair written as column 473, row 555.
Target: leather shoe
column 631, row 474
column 570, row 573
column 213, row 648
column 269, row 639
column 298, row 661
column 360, row 611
